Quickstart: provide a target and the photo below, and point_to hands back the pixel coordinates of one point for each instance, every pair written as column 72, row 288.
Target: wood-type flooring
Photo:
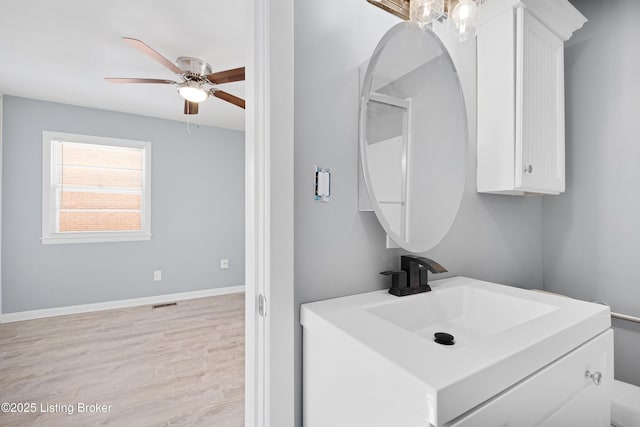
column 173, row 366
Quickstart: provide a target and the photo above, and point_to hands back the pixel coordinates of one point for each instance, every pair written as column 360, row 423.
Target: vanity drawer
column 556, row 396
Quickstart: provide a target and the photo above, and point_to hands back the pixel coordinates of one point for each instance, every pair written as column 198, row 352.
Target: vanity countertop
column 503, row 334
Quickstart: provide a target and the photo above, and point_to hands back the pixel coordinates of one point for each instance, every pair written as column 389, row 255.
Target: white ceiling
column 61, row 50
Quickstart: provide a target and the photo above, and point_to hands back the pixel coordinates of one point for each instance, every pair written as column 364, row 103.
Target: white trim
column 49, row 234
column 254, row 325
column 557, row 15
column 111, row 305
column 270, row 353
column 62, row 238
column 1, row 148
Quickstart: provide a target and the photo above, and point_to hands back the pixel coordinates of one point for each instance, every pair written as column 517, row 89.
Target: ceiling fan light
column 192, row 92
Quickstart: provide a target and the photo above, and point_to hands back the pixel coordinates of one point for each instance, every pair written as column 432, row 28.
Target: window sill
column 93, row 238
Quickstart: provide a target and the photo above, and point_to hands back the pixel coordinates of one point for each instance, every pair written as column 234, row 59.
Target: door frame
column 269, row 351
column 1, row 162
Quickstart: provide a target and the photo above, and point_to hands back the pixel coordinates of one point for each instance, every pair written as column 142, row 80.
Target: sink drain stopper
column 443, row 338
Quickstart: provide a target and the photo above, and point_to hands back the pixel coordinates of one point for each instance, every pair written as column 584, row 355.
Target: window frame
column 49, row 213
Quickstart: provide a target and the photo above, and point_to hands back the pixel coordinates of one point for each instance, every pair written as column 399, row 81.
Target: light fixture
column 192, row 91
column 426, row 11
column 462, row 15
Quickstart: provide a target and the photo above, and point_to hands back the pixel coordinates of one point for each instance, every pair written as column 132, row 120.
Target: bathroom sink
column 467, row 312
column 502, row 335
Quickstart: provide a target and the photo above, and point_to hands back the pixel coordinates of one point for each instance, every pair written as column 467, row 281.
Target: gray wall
column 591, row 232
column 339, row 251
column 197, row 213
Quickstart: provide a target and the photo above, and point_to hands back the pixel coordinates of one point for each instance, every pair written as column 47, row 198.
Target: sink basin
column 503, row 334
column 466, row 312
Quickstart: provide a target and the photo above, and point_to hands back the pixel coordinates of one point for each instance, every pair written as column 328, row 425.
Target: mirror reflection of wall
column 387, row 128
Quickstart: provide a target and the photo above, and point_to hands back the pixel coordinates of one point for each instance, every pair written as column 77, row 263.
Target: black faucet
column 413, row 275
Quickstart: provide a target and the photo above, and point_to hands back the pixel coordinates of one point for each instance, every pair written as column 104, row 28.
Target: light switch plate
column 322, row 184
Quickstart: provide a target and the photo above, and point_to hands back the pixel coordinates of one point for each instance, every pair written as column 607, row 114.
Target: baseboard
column 111, row 305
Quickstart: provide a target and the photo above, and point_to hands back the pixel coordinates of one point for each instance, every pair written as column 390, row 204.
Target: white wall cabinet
column 521, row 99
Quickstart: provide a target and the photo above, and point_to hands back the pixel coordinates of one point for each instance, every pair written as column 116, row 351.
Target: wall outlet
column 157, row 275
column 224, row 264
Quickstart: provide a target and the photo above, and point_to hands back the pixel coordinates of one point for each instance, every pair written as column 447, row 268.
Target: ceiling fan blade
column 190, row 107
column 227, row 76
column 128, row 80
column 229, row 98
column 153, row 54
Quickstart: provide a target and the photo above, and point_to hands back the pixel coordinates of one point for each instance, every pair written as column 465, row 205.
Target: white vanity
column 520, row 358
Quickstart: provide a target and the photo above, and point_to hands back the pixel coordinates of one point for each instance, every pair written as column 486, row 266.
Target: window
column 95, row 189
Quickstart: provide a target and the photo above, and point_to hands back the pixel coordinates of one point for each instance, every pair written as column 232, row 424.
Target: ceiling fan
column 198, row 82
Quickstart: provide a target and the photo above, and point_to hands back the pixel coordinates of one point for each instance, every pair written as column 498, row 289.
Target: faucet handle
column 430, row 264
column 398, row 278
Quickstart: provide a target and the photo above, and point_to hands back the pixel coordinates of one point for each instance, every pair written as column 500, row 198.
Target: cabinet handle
column 528, row 169
column 596, row 377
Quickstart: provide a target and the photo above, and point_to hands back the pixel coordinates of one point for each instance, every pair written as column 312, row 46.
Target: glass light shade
column 193, row 92
column 464, row 17
column 426, row 11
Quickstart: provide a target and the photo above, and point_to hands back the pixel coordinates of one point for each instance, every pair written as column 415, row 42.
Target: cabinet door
column 559, row 395
column 588, row 408
column 539, row 107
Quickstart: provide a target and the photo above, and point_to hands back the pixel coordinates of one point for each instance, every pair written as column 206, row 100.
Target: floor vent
column 168, row 304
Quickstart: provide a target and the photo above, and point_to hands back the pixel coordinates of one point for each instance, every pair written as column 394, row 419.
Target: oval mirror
column 413, row 136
